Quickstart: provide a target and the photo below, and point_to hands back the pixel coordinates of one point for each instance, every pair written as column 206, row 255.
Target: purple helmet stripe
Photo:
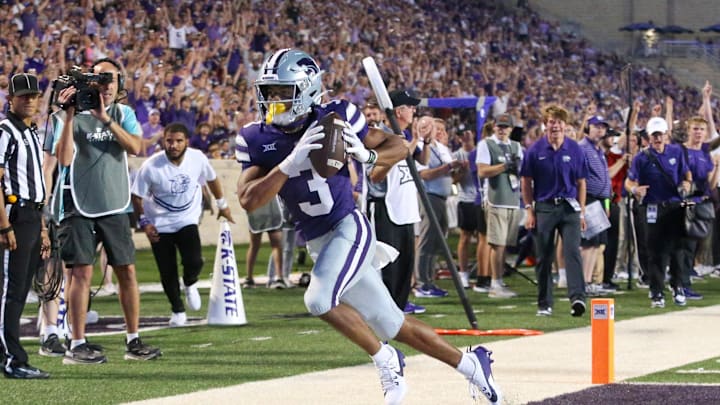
column 354, row 260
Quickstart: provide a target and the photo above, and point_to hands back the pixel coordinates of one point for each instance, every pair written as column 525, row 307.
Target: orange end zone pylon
column 489, row 332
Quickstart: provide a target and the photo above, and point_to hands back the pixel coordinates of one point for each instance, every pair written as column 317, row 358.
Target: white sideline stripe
column 563, row 367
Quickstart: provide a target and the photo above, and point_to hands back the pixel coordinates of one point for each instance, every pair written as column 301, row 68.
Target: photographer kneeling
column 92, row 146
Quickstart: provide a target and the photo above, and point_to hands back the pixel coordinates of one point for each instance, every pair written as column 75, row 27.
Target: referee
column 23, row 235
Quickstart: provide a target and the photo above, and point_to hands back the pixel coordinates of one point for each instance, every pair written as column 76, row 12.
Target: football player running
column 345, row 290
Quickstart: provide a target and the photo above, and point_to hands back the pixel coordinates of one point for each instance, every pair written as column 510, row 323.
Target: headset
column 120, row 75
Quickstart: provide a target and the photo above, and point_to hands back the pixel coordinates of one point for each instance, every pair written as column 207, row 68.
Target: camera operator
column 92, row 146
column 498, row 160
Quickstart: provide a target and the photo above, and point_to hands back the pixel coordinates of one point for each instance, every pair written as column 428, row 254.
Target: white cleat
column 392, row 378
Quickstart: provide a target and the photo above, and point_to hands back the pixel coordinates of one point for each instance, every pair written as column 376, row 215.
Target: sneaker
column 392, row 378
column 544, row 311
column 137, row 350
column 430, row 292
column 192, row 297
column 84, row 354
column 248, row 283
column 691, row 295
column 411, row 308
column 52, row 347
column 481, row 381
column 106, row 290
column 562, row 282
column 703, row 270
column 715, row 273
column 501, row 292
column 278, row 284
column 679, row 297
column 481, row 288
column 465, row 279
column 24, row 371
column 577, row 308
column 641, row 284
column 657, row 302
column 610, row 286
column 623, row 275
column 177, row 319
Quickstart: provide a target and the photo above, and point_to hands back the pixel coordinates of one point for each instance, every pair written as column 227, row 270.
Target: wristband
column 372, row 158
column 606, row 203
column 582, row 216
column 6, row 230
column 220, row 203
column 144, row 221
column 632, row 190
column 107, row 123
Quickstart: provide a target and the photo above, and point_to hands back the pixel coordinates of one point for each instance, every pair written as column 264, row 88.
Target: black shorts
column 595, row 241
column 467, row 216
column 79, row 237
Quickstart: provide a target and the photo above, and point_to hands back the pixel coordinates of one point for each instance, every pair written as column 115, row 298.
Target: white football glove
column 356, row 148
column 300, row 153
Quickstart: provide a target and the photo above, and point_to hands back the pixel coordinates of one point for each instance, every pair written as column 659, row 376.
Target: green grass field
column 279, row 341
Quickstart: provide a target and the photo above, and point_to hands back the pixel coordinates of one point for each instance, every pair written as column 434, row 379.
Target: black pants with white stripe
column 187, row 241
column 18, row 267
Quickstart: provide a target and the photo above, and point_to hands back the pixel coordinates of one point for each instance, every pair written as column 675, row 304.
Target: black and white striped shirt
column 21, row 156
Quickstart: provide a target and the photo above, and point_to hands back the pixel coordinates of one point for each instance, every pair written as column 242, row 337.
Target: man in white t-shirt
column 167, row 195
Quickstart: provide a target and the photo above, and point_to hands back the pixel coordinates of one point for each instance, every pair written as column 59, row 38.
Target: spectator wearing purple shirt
column 598, row 189
column 553, row 190
column 657, row 177
column 202, row 138
column 152, row 133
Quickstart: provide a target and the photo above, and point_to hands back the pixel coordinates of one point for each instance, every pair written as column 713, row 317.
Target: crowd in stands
column 195, row 62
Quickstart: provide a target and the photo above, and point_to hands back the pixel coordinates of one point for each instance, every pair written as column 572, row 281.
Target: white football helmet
column 289, row 67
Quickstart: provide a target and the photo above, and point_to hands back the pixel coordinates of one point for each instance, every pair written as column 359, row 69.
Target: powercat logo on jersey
column 100, row 135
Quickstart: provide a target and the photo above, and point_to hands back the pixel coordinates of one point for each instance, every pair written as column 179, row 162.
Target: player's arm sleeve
column 242, row 152
column 356, row 118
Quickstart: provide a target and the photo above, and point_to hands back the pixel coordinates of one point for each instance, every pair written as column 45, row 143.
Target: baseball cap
column 23, row 83
column 598, row 120
column 154, row 111
column 402, row 97
column 656, row 124
column 505, row 120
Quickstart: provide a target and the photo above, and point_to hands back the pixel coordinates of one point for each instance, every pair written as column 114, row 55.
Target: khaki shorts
column 79, row 237
column 502, row 226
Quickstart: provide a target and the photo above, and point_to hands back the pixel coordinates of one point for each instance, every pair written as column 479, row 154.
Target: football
column 329, row 159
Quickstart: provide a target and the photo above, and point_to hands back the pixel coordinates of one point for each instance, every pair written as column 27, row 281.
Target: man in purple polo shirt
column 553, row 190
column 598, row 189
column 657, row 177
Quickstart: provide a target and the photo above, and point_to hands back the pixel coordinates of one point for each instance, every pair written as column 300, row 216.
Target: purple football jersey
column 315, row 203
